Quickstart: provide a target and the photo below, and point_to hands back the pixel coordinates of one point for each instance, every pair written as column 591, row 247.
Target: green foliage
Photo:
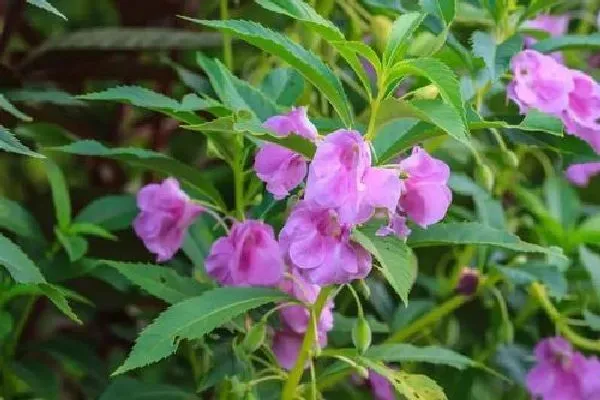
column 60, row 194
column 8, row 142
column 402, row 30
column 45, row 5
column 17, row 263
column 567, row 42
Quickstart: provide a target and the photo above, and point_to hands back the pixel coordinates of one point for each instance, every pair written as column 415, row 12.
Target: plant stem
column 372, row 119
column 227, row 50
column 289, row 390
column 238, row 178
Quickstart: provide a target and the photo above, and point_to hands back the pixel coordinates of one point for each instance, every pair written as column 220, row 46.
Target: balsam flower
column 426, row 197
column 319, row 246
column 381, row 388
column 294, row 122
column 580, row 174
column 165, row 214
column 539, row 82
column 555, row 25
column 248, row 256
column 582, row 115
column 287, row 344
column 562, row 373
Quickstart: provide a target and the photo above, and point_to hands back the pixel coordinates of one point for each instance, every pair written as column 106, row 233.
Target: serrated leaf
column 350, row 55
column 301, row 11
column 159, row 281
column 445, row 10
column 568, row 42
column 192, row 319
column 131, row 389
column 402, row 29
column 44, row 96
column 18, row 220
column 45, row 5
column 17, row 263
column 437, row 73
column 400, row 135
column 534, row 121
column 435, row 112
column 283, row 85
column 141, row 97
column 74, row 245
column 398, row 263
column 235, row 93
column 59, row 299
column 113, row 213
column 9, row 143
column 311, row 67
column 9, row 108
column 446, row 234
column 404, row 352
column 191, row 177
column 60, row 193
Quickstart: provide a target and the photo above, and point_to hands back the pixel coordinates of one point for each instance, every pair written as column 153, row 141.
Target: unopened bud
column 381, row 27
column 485, row 177
column 468, row 282
column 428, row 92
column 255, row 337
column 361, row 335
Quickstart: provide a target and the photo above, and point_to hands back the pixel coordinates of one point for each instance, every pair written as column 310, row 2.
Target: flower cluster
column 542, row 83
column 562, row 373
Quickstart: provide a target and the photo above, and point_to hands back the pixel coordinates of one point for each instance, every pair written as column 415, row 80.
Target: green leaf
column 18, row 220
column 127, row 388
column 445, row 10
column 405, row 352
column 60, row 193
column 350, row 55
column 146, row 98
column 192, row 319
column 400, row 135
column 434, row 112
column 538, row 121
column 41, row 379
column 475, row 234
column 44, row 96
column 9, row 108
column 398, row 263
column 161, row 282
column 113, row 213
column 303, row 12
column 402, row 30
column 568, row 42
column 18, row 264
column 191, row 177
column 8, row 142
column 6, row 324
column 437, row 73
column 283, row 85
column 311, row 67
column 45, row 5
column 592, row 320
column 591, row 262
column 489, row 210
column 496, row 57
column 562, row 201
column 549, row 275
column 74, row 245
column 87, row 229
column 345, row 324
column 58, row 296
column 235, row 93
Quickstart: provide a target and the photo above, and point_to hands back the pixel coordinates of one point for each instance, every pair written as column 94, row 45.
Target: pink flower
column 296, row 318
column 248, row 256
column 580, row 174
column 555, row 25
column 539, row 82
column 427, row 196
column 562, row 373
column 318, row 244
column 341, row 178
column 280, row 168
column 165, row 214
column 287, row 344
column 296, row 121
column 381, row 388
column 582, row 115
column 396, row 226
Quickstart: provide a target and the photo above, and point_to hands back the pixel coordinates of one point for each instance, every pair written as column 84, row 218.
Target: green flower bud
column 381, row 27
column 361, row 335
column 485, row 177
column 255, row 337
column 428, row 92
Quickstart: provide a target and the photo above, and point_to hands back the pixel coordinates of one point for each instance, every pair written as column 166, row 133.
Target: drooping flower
column 427, row 197
column 248, row 256
column 341, row 178
column 296, row 317
column 539, row 82
column 582, row 115
column 562, row 373
column 555, row 25
column 165, row 214
column 580, row 174
column 318, row 244
column 280, row 168
column 381, row 388
column 294, row 122
column 287, row 344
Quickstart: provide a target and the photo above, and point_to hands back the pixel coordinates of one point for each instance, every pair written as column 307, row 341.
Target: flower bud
column 361, row 335
column 255, row 337
column 485, row 177
column 468, row 282
column 381, row 27
column 428, row 92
